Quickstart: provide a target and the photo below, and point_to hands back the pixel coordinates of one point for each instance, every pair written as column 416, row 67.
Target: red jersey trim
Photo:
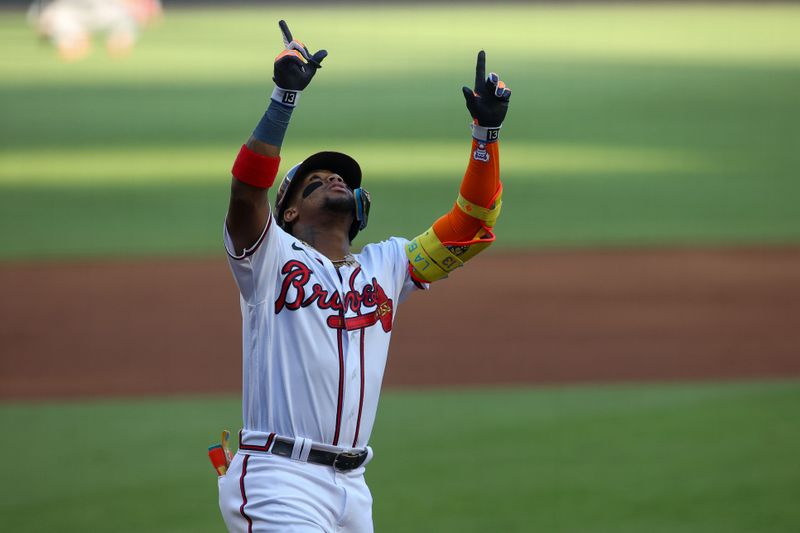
column 340, row 400
column 253, row 447
column 244, row 495
column 361, row 397
column 250, row 251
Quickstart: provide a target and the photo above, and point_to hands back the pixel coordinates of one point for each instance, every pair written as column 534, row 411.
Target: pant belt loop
column 301, row 449
column 369, row 456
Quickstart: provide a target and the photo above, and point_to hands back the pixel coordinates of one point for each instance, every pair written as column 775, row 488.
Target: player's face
column 323, row 190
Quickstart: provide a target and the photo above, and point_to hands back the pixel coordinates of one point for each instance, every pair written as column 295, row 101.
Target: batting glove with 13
column 294, row 68
column 487, row 102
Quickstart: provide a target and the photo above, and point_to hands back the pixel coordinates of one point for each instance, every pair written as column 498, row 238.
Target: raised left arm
column 467, row 229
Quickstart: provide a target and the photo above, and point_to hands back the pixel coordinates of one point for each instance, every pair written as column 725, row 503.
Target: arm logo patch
column 480, row 153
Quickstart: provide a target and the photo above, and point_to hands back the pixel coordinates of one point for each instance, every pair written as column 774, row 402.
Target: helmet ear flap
column 281, row 198
column 363, row 200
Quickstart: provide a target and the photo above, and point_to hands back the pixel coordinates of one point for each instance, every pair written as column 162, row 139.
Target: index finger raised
column 287, row 35
column 480, row 70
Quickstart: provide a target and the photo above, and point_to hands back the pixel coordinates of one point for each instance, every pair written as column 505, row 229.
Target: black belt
column 340, row 461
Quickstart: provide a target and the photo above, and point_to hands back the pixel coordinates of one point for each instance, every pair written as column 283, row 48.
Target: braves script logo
column 295, row 295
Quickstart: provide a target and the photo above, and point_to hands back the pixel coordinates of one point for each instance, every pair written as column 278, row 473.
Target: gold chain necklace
column 347, row 260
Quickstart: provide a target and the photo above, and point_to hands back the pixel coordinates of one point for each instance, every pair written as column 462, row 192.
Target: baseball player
column 317, row 318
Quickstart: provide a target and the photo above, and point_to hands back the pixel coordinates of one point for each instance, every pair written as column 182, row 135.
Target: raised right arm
column 257, row 164
column 467, row 229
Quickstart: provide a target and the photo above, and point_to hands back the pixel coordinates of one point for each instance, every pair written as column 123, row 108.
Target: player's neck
column 332, row 242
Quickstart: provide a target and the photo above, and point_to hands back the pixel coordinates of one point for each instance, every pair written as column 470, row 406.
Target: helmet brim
column 337, row 162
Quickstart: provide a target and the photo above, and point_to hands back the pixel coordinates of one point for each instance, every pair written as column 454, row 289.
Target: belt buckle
column 349, row 460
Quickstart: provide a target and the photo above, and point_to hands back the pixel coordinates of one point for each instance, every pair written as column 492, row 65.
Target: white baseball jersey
column 316, row 339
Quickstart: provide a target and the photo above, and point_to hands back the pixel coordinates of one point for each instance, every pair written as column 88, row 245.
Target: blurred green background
column 629, row 125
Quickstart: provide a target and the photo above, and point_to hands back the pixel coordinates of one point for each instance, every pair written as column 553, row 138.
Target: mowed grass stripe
column 576, row 210
column 196, row 44
column 681, row 457
column 401, row 160
column 616, row 135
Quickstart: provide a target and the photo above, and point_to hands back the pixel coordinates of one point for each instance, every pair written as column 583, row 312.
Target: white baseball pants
column 262, row 492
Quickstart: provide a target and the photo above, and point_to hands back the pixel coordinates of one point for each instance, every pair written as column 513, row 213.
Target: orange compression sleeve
column 480, row 185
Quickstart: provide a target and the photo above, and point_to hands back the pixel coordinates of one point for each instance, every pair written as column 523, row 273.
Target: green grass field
column 628, row 124
column 688, row 458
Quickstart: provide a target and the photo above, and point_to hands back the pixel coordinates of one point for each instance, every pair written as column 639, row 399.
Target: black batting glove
column 488, row 101
column 295, row 66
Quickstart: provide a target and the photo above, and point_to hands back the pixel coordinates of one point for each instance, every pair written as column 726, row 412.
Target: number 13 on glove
column 294, row 68
column 487, row 102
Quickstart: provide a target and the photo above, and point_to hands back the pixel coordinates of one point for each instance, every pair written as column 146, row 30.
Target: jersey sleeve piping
column 247, row 252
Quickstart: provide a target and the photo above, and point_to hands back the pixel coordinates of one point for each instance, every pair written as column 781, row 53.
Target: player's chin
column 340, row 203
column 339, row 195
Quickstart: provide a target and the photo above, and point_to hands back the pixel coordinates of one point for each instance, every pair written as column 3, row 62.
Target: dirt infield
column 162, row 327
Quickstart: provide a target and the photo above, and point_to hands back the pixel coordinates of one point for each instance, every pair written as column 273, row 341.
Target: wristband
column 285, row 96
column 255, row 169
column 272, row 127
column 484, row 134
